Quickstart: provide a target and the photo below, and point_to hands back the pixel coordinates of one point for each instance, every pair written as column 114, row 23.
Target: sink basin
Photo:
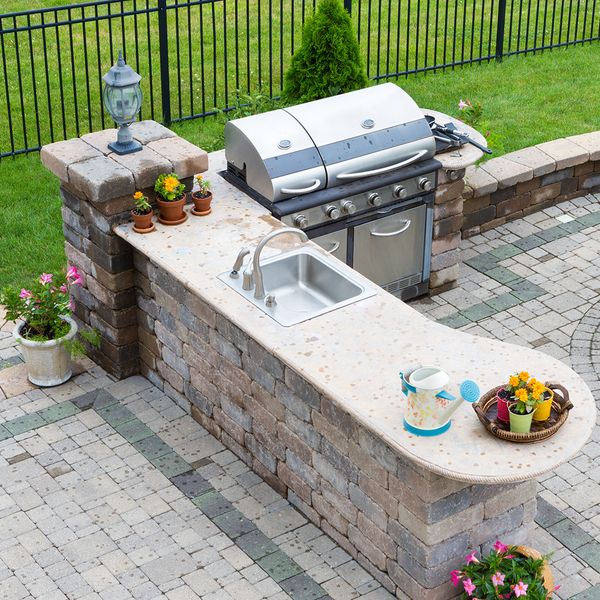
column 305, row 284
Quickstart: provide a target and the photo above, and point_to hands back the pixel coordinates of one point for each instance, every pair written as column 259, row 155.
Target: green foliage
column 142, row 206
column 245, row 104
column 169, row 187
column 328, row 62
column 76, row 348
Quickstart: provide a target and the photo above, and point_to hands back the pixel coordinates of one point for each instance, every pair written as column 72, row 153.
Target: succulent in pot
column 170, row 196
column 202, row 197
column 142, row 214
column 47, row 334
column 506, row 572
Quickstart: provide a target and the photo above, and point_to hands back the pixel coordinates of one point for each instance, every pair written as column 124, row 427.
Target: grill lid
column 328, row 142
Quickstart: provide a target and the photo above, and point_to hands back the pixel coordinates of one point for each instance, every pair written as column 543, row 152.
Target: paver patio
column 111, row 490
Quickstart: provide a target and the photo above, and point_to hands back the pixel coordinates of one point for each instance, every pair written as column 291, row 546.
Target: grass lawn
column 526, row 100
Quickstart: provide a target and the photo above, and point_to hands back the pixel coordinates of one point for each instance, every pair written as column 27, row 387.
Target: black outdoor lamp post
column 122, row 98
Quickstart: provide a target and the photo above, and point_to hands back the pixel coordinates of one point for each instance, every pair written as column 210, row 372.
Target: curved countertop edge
column 261, row 327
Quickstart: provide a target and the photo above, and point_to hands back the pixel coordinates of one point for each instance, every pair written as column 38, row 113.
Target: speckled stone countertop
column 353, row 354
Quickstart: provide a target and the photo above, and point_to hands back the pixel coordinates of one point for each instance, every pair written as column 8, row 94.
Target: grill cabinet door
column 335, row 243
column 391, row 248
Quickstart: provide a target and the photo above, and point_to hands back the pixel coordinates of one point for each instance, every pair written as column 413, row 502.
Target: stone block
column 366, row 547
column 101, row 179
column 59, row 156
column 329, row 512
column 491, row 224
column 268, row 401
column 340, row 539
column 569, row 186
column 145, row 165
column 583, row 169
column 170, row 375
column 448, row 209
column 590, row 142
column 496, row 526
column 480, row 181
column 206, row 421
column 368, row 507
column 100, row 139
column 339, row 460
column 565, row 152
column 534, row 158
column 260, row 453
column 334, row 476
column 503, row 194
column 265, row 359
column 329, row 431
column 176, row 363
column 515, row 495
column 527, row 186
column 226, row 328
column 302, row 470
column 225, row 348
column 449, row 191
column 445, row 260
column 443, row 277
column 557, row 176
column 113, row 281
column 292, row 441
column 150, row 131
column 409, row 586
column 75, row 221
column 168, row 338
column 515, row 204
column 379, row 494
column 111, row 263
column 295, row 483
column 187, row 159
column 506, row 172
column 117, row 318
column 477, row 218
column 341, row 502
column 366, row 463
column 447, row 226
column 293, row 403
column 378, row 450
column 590, row 182
column 302, row 388
column 233, row 429
column 258, row 374
column 198, row 400
column 303, row 430
column 547, row 192
column 446, row 243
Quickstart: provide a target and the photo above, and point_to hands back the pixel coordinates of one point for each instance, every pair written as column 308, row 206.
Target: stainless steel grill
column 355, row 171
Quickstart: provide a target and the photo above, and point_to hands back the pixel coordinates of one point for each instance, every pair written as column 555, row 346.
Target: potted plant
column 507, row 572
column 142, row 214
column 506, row 395
column 544, row 406
column 44, row 327
column 171, row 199
column 527, row 395
column 202, row 197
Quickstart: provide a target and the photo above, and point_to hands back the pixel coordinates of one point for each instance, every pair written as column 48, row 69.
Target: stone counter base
column 406, row 526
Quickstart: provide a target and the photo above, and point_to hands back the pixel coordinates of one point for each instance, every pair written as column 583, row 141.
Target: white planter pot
column 48, row 363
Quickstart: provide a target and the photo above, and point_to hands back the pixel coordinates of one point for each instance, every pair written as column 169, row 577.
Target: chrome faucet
column 259, row 287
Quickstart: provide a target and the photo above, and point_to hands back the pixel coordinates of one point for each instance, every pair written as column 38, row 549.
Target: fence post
column 163, row 44
column 500, row 29
column 348, row 6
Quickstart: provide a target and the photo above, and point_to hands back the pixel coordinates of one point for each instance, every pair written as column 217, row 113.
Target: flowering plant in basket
column 526, row 391
column 506, row 572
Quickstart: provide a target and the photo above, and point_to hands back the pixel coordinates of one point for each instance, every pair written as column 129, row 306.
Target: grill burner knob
column 374, row 199
column 301, row 221
column 333, row 212
column 349, row 207
column 400, row 192
column 425, row 184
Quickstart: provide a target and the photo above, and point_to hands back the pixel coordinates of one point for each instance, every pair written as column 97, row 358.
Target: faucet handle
column 239, row 261
column 248, row 281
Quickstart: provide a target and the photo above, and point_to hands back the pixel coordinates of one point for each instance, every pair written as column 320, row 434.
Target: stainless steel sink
column 304, row 284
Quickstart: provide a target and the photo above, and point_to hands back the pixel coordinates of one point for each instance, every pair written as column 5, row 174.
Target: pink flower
column 500, row 547
column 469, row 587
column 520, row 589
column 471, row 558
column 71, row 304
column 25, row 293
column 509, row 556
column 455, row 576
column 74, row 275
column 63, row 288
column 45, row 278
column 498, row 578
column 462, row 104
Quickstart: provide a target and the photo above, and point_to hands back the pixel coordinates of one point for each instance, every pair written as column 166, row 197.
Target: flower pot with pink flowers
column 202, row 197
column 506, row 572
column 47, row 334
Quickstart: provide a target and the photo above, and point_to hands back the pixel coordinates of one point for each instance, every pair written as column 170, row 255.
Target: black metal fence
column 193, row 55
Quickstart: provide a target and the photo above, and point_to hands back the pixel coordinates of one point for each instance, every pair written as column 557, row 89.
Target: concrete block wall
column 405, row 525
column 523, row 182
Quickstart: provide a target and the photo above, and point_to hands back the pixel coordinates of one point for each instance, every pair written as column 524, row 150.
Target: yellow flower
column 523, row 375
column 137, row 195
column 532, row 383
column 513, row 381
column 521, row 395
column 170, row 183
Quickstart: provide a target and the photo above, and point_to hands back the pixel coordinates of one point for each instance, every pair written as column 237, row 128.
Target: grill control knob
column 349, row 207
column 333, row 212
column 374, row 199
column 400, row 192
column 301, row 221
column 425, row 184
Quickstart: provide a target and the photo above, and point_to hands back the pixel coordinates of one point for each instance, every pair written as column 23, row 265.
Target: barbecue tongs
column 452, row 137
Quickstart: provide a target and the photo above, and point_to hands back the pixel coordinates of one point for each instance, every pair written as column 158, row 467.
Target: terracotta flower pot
column 171, row 211
column 48, row 363
column 142, row 223
column 201, row 203
column 546, row 571
column 520, row 423
column 542, row 412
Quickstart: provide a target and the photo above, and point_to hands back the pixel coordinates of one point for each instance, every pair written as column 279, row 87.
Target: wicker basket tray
column 486, row 409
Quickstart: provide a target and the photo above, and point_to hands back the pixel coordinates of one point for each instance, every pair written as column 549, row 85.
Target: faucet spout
column 259, row 287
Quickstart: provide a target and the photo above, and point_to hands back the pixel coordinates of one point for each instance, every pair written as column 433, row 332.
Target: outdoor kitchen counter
column 353, row 355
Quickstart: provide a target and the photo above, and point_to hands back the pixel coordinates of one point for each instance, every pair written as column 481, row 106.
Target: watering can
column 430, row 406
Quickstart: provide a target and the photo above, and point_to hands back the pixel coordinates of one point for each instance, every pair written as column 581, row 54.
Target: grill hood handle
column 409, row 161
column 311, row 188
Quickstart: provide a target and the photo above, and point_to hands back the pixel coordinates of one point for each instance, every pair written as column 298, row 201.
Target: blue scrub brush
column 469, row 390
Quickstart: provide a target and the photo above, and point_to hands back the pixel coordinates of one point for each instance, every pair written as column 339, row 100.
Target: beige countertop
column 353, row 354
